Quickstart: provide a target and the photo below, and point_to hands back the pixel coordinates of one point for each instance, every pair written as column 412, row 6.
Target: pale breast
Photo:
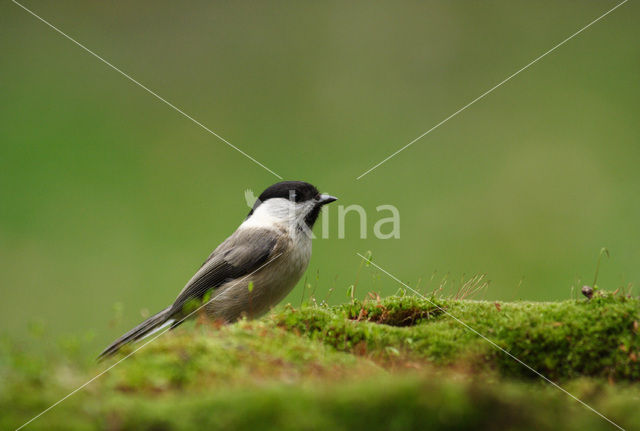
column 256, row 294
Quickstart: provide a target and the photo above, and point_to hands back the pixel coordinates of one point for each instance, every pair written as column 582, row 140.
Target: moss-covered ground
column 384, row 364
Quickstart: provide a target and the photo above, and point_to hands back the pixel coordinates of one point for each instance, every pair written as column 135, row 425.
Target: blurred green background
column 109, row 196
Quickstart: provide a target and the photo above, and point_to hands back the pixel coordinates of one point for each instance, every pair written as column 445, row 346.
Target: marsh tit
column 253, row 269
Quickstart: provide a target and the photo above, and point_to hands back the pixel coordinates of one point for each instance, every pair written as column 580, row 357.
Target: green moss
column 234, row 355
column 384, row 403
column 561, row 340
column 394, row 364
column 377, row 402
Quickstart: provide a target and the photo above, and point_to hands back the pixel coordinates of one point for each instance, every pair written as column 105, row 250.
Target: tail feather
column 143, row 330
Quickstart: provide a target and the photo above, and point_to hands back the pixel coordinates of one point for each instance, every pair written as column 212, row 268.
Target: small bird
column 253, row 269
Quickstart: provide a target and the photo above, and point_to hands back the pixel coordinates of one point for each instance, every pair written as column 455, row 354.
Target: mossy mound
column 247, row 353
column 562, row 340
column 391, row 364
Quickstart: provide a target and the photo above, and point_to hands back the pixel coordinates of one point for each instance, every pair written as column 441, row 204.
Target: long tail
column 151, row 325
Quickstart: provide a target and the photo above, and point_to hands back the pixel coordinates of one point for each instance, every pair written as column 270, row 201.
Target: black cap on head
column 296, row 190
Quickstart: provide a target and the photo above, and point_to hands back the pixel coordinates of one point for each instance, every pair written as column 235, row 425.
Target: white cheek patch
column 280, row 208
column 278, row 211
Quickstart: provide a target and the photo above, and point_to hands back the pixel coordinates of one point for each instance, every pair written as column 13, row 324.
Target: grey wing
column 238, row 256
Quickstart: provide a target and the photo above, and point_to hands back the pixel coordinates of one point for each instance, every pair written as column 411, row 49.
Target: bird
column 253, row 269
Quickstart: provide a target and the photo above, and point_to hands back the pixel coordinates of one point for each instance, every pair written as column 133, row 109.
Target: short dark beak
column 326, row 199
